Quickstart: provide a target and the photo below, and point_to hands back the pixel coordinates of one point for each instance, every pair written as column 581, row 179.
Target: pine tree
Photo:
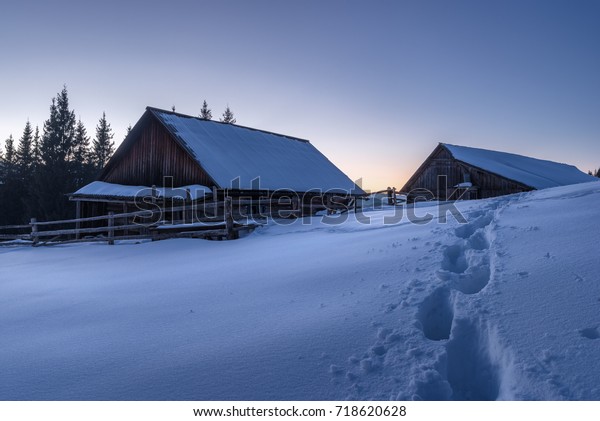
column 54, row 177
column 30, row 197
column 3, row 198
column 82, row 167
column 103, row 146
column 9, row 167
column 59, row 131
column 11, row 209
column 35, row 148
column 10, row 155
column 597, row 173
column 81, row 143
column 24, row 182
column 228, row 116
column 205, row 112
column 25, row 152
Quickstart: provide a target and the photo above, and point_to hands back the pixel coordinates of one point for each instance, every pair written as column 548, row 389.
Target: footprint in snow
column 351, row 376
column 378, row 350
column 335, row 370
column 435, row 315
column 590, row 333
column 390, row 307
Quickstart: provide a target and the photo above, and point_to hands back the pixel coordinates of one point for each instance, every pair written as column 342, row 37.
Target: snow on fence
column 226, row 220
column 119, row 227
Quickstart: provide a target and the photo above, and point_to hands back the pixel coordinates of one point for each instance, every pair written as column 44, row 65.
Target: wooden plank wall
column 152, row 157
column 490, row 185
column 442, row 163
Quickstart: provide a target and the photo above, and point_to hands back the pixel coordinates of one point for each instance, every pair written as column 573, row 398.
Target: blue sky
column 374, row 85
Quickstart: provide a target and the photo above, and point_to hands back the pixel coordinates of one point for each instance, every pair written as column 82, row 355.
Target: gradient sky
column 373, row 84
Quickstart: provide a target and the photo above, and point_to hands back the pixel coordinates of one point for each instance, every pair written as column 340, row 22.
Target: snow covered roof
column 228, row 152
column 103, row 189
column 536, row 173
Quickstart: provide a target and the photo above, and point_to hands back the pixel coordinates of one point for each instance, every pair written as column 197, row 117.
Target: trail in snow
column 460, row 356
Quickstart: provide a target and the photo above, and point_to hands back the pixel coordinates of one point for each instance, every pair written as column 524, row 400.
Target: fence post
column 77, row 216
column 125, row 221
column 34, row 231
column 111, row 230
column 229, row 218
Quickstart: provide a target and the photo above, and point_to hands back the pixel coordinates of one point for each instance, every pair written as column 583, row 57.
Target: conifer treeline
column 38, row 172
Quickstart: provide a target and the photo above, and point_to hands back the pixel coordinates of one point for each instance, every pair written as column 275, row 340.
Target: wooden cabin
column 454, row 172
column 172, row 158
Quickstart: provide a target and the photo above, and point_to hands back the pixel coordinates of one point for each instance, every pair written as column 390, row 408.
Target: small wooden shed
column 454, row 172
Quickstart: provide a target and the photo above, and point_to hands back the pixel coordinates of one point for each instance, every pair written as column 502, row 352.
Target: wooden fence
column 226, row 223
column 129, row 226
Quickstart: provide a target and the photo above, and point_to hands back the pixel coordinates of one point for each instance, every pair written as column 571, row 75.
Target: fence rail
column 119, row 225
column 151, row 223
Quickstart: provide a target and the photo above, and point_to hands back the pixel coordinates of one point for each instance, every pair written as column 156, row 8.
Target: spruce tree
column 35, row 148
column 205, row 112
column 81, row 142
column 82, row 167
column 10, row 156
column 103, row 146
column 3, row 197
column 54, row 177
column 30, row 200
column 10, row 195
column 24, row 184
column 25, row 152
column 59, row 131
column 10, row 161
column 228, row 116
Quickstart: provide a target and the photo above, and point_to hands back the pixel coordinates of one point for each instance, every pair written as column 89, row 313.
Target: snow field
column 505, row 306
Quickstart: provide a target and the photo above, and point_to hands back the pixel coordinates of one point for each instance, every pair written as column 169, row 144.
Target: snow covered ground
column 505, row 306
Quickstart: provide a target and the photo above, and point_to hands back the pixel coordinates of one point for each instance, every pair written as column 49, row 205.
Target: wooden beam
column 111, row 231
column 34, row 230
column 78, row 218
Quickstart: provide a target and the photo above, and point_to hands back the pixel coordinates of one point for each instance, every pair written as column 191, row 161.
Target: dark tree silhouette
column 205, row 112
column 103, row 146
column 228, row 116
